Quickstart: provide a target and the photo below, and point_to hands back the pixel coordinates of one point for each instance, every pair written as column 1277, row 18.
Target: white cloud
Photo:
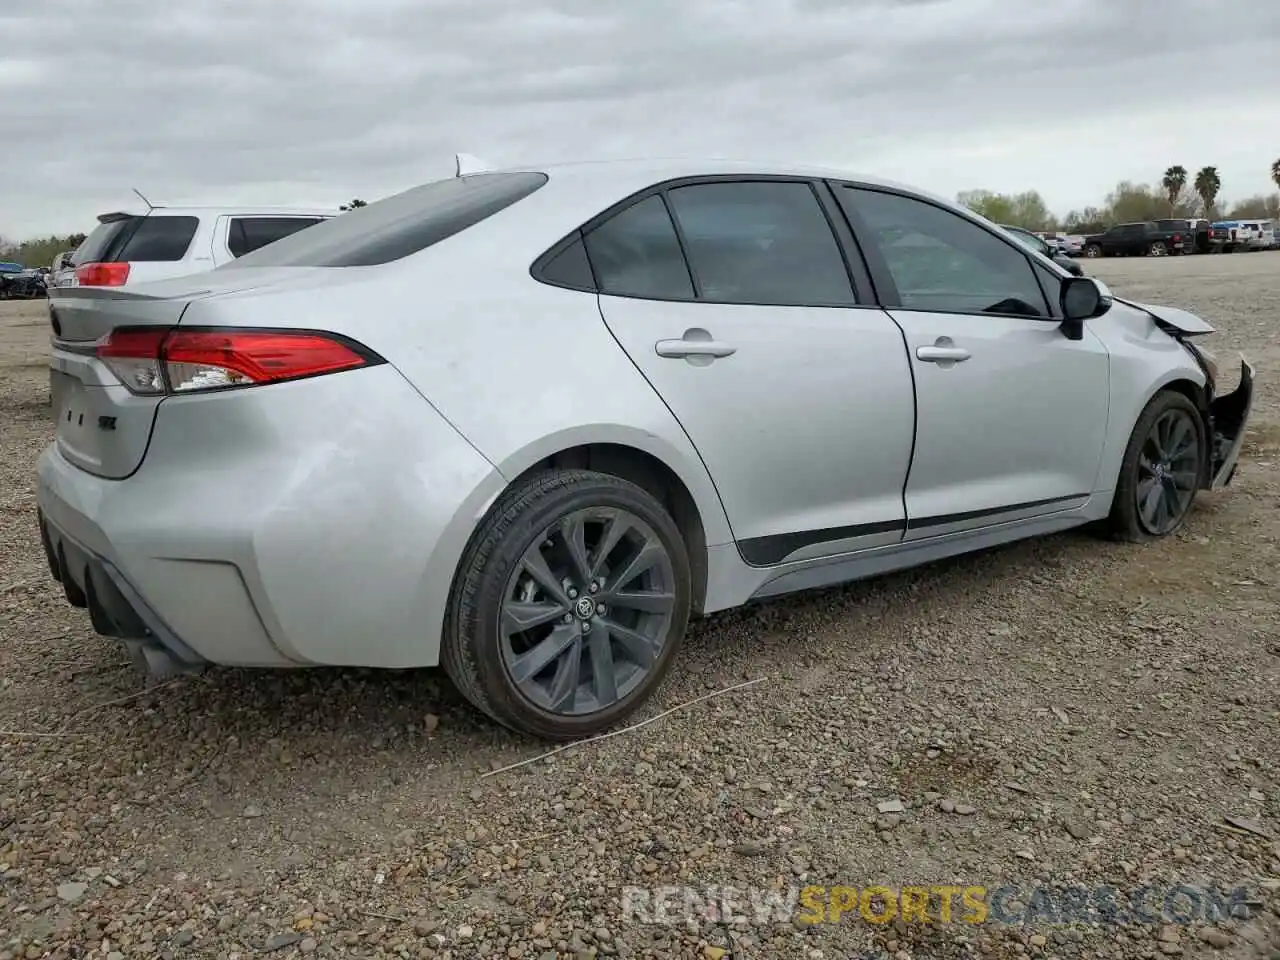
column 314, row 101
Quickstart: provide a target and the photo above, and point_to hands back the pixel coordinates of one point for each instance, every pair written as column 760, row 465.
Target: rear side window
column 636, row 253
column 247, row 234
column 570, row 268
column 158, row 238
column 397, row 226
column 761, row 243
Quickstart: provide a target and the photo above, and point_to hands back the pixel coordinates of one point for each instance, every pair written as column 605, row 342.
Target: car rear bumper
column 116, row 608
column 306, row 523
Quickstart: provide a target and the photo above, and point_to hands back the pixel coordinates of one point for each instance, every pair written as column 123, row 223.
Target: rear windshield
column 96, row 243
column 1174, row 224
column 155, row 238
column 397, row 226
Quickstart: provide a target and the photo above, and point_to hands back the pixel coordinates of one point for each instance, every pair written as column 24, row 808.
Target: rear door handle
column 696, row 342
column 693, row 348
column 942, row 354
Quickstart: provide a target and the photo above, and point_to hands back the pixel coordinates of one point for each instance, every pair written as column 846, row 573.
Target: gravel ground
column 1065, row 711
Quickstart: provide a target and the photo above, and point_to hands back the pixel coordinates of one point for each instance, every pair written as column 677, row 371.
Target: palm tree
column 1275, row 172
column 1175, row 178
column 1207, row 186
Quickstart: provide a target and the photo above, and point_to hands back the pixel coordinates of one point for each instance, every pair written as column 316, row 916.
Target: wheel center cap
column 585, row 608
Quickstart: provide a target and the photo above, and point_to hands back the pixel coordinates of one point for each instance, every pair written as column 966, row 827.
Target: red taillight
column 152, row 360
column 102, row 275
column 1177, row 237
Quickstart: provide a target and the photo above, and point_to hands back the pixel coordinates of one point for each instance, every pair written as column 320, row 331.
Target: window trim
column 889, row 297
column 860, row 280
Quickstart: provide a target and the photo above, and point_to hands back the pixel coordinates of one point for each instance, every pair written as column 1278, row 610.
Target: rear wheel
column 1158, row 249
column 1093, row 250
column 569, row 606
column 1161, row 471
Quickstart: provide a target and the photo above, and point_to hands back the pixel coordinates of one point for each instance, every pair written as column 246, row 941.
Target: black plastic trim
column 946, row 518
column 773, row 549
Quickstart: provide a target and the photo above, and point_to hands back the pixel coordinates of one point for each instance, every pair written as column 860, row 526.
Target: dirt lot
column 1063, row 712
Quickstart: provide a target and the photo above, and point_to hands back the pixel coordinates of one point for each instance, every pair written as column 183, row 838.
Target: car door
column 792, row 385
column 1011, row 415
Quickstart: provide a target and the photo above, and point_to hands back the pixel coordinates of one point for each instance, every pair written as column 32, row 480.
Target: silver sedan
column 526, row 423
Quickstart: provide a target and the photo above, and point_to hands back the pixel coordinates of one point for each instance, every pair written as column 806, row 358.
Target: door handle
column 696, row 343
column 694, row 348
column 942, row 354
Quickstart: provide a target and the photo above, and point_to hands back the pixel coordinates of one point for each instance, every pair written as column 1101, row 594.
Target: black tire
column 1126, row 521
column 1092, row 251
column 472, row 646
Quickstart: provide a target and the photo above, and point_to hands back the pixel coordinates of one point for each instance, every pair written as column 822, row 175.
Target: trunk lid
column 102, row 427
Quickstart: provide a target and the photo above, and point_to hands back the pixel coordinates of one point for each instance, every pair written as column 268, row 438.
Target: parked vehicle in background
column 494, row 423
column 1134, row 239
column 1075, row 245
column 1258, row 235
column 27, row 284
column 62, row 265
column 166, row 242
column 1045, row 248
column 1193, row 233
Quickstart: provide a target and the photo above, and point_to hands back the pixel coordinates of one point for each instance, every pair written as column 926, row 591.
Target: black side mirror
column 1081, row 300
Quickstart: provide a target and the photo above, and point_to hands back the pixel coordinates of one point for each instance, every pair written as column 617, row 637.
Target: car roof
column 646, row 171
column 229, row 211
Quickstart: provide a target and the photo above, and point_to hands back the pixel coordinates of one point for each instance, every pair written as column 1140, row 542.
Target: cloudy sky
column 312, row 102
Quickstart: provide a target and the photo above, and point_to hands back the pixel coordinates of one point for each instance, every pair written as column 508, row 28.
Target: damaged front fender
column 1228, row 416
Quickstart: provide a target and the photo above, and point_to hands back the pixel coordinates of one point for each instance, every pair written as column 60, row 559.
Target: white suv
column 128, row 248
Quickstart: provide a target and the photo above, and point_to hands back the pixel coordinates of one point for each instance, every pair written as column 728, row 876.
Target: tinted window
column 1174, row 224
column 96, row 244
column 760, row 243
column 635, row 253
column 159, row 238
column 247, row 234
column 397, row 226
column 941, row 261
column 569, row 268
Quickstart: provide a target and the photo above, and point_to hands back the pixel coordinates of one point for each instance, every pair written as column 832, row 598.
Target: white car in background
column 1262, row 235
column 167, row 242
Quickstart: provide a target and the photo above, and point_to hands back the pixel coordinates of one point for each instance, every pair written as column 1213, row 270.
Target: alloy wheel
column 587, row 611
column 1168, row 472
column 1158, row 249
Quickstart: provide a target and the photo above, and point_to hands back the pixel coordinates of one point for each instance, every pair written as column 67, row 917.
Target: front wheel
column 1161, row 470
column 569, row 606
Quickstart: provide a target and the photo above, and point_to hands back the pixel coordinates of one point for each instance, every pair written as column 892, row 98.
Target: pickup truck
column 1135, row 239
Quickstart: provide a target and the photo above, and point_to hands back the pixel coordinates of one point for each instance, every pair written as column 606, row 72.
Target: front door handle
column 942, row 354
column 695, row 345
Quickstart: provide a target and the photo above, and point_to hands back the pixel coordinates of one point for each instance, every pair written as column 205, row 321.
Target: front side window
column 635, row 253
column 942, row 262
column 760, row 243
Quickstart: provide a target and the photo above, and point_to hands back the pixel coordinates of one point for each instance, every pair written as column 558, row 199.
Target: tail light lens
column 154, row 361
column 1177, row 237
column 102, row 275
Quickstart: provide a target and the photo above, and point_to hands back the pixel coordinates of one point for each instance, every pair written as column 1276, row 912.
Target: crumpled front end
column 1228, row 419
